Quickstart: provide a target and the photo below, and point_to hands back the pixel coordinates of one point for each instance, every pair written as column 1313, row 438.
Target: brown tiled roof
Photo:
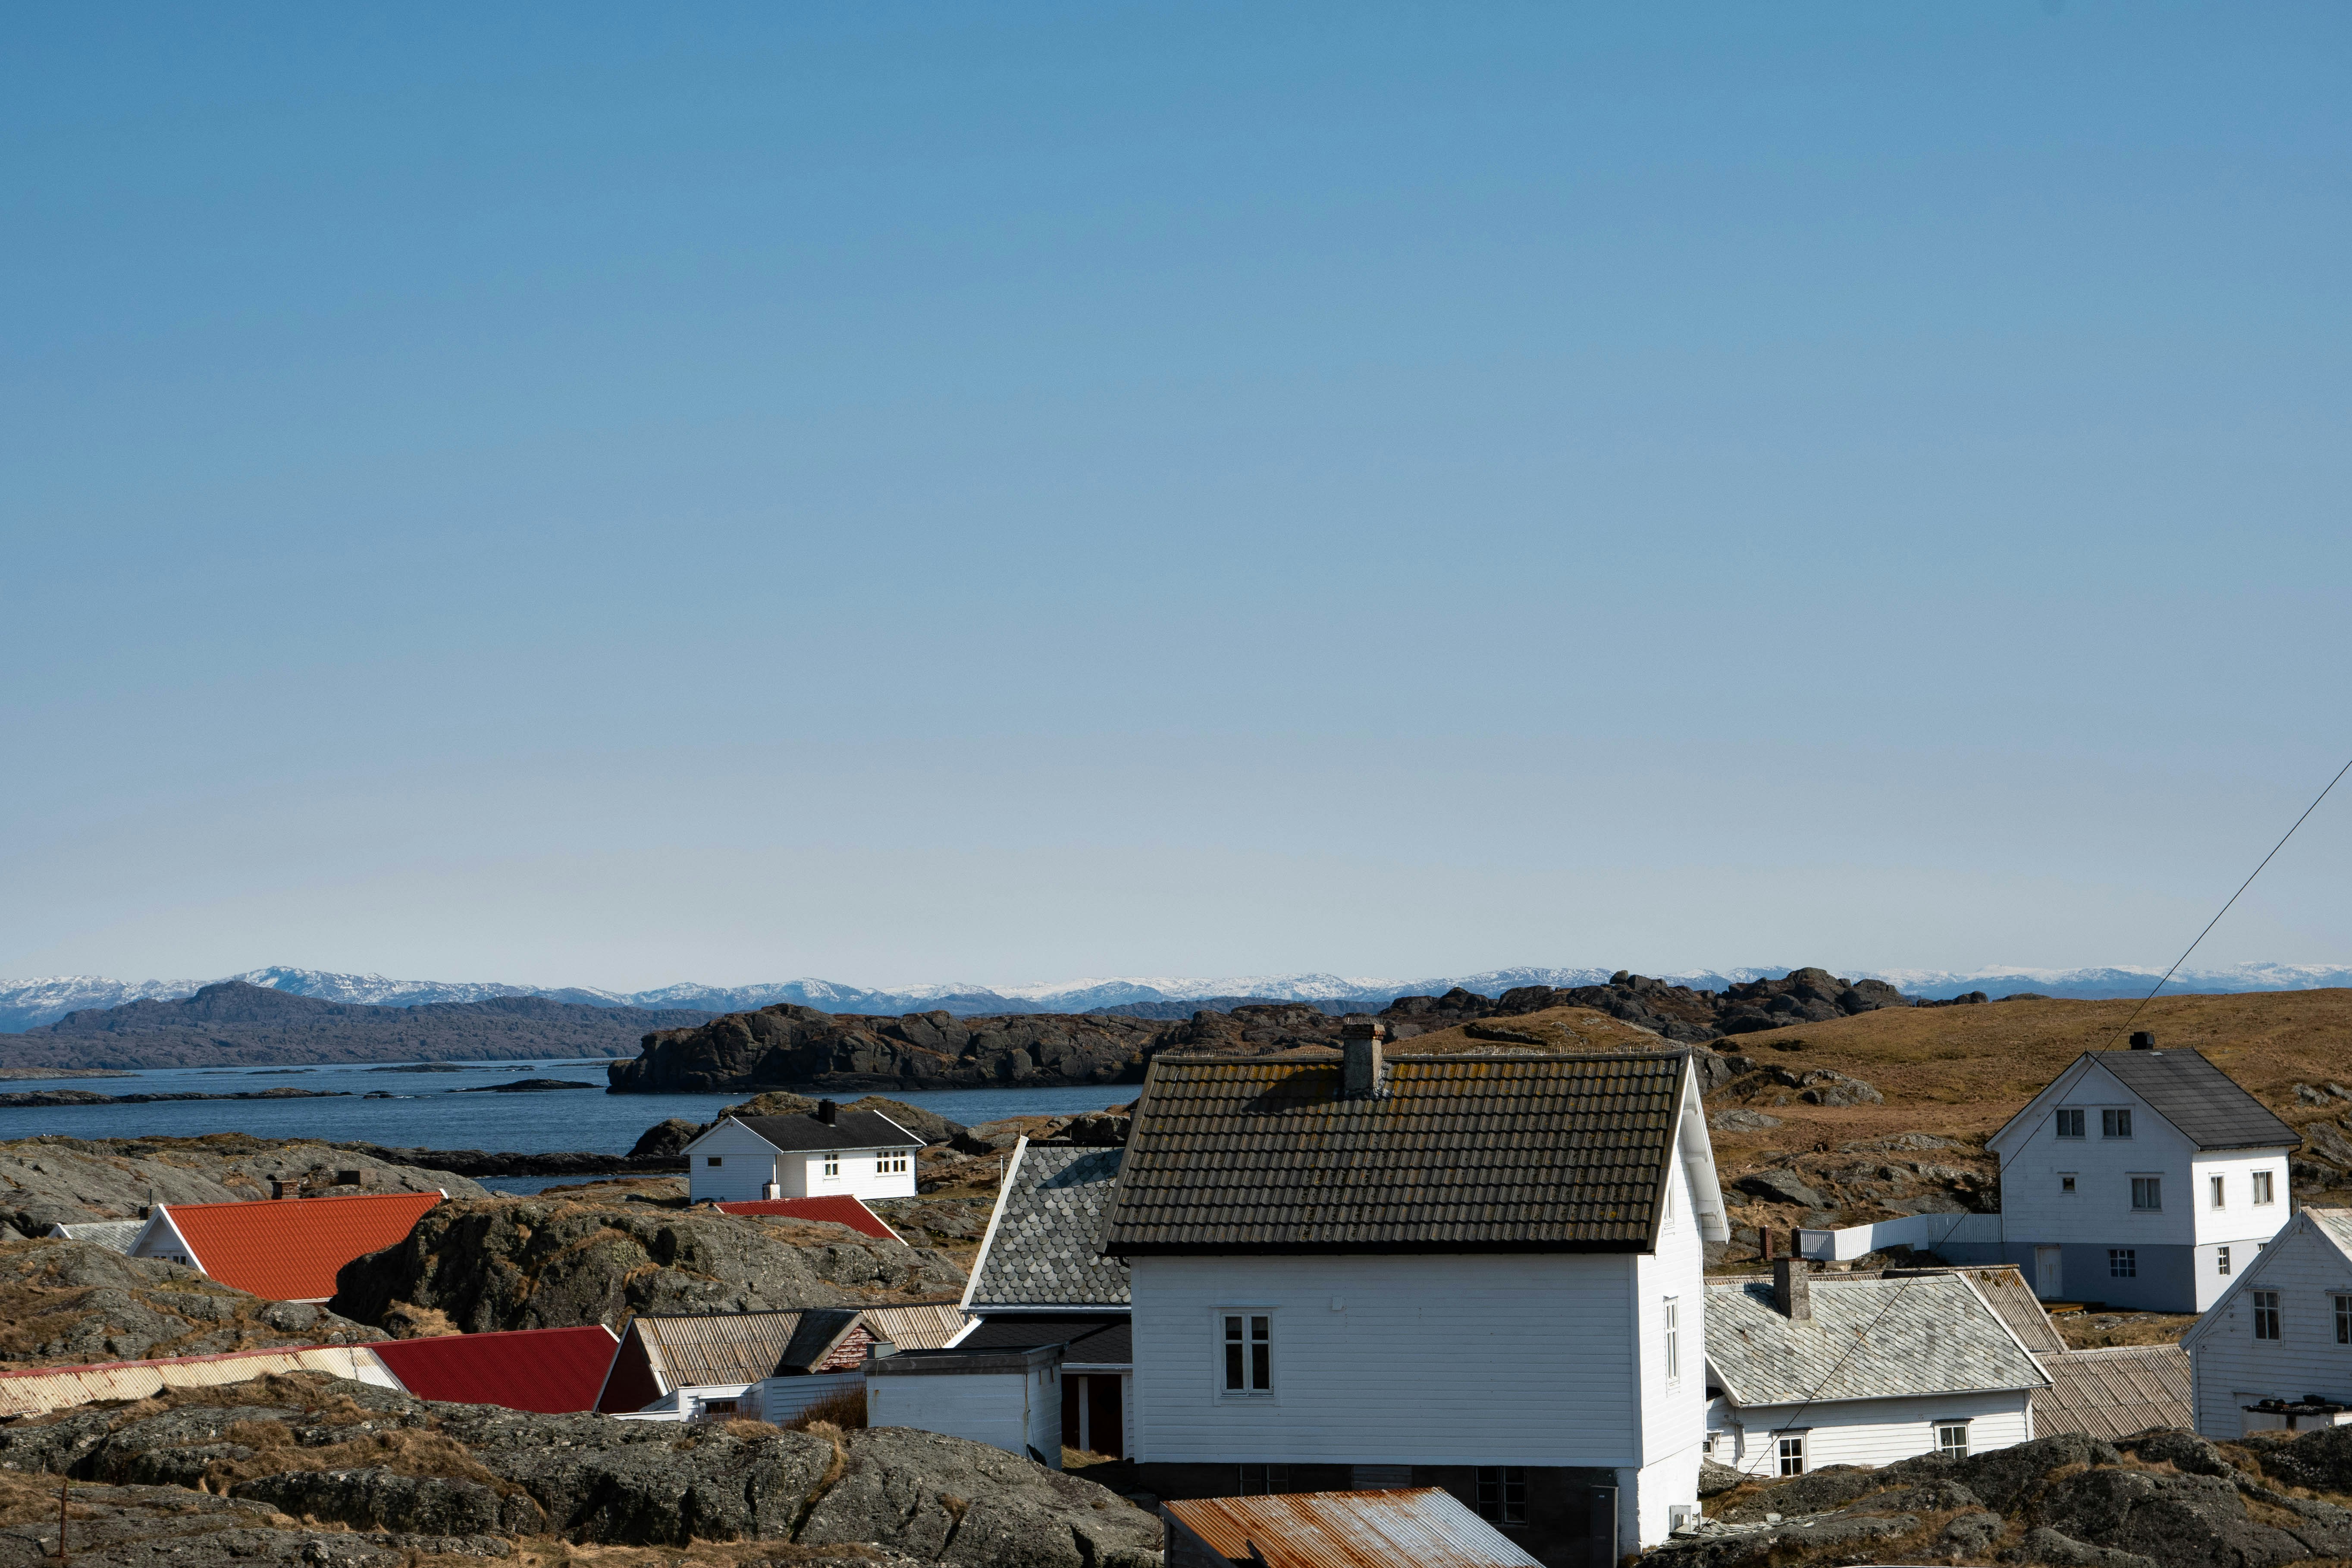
column 1521, row 1154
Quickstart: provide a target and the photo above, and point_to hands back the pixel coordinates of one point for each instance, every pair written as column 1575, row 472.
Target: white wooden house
column 2275, row 1351
column 859, row 1154
column 2140, row 1178
column 1039, row 1281
column 1482, row 1273
column 1842, row 1369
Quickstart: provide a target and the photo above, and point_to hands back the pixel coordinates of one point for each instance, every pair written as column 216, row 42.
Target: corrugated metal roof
column 1460, row 1153
column 922, row 1327
column 1041, row 1248
column 840, row 1209
column 1867, row 1339
column 2113, row 1393
column 2200, row 1100
column 1426, row 1527
column 694, row 1349
column 848, row 1129
column 556, row 1372
column 2018, row 1307
column 289, row 1249
column 43, row 1389
column 117, row 1235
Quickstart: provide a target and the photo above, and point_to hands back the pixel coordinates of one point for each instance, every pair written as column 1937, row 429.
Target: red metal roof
column 288, row 1249
column 555, row 1371
column 1425, row 1526
column 844, row 1210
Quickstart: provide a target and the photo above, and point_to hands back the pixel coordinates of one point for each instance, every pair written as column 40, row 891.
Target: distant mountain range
column 29, row 1003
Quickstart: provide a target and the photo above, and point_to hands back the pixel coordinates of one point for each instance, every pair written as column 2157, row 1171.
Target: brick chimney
column 1362, row 1073
column 281, row 1188
column 827, row 1112
column 1792, row 1289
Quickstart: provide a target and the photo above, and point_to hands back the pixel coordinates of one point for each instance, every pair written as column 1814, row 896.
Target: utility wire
column 1863, row 1338
column 2248, row 883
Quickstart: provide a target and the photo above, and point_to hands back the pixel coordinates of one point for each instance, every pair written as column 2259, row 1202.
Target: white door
column 2049, row 1276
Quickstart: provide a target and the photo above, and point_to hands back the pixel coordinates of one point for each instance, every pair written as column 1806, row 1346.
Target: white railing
column 1923, row 1231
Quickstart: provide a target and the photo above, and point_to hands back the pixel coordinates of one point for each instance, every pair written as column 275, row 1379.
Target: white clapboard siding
column 1869, row 1431
column 747, row 1165
column 1013, row 1411
column 2231, row 1368
column 856, row 1174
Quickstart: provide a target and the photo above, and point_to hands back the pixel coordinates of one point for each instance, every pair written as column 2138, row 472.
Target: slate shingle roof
column 2113, row 1393
column 850, row 1130
column 1461, row 1153
column 2200, row 1100
column 1867, row 1339
column 1041, row 1251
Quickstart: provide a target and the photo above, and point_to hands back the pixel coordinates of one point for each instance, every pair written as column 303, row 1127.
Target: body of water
column 432, row 1112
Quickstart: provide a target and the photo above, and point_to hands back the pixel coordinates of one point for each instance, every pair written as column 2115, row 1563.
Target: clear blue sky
column 615, row 496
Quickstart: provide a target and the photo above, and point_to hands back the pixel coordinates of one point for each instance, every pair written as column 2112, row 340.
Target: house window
column 833, row 1164
column 2122, row 1263
column 1952, row 1440
column 2065, row 1183
column 711, row 1161
column 2147, row 1192
column 1673, row 1342
column 2115, row 1124
column 889, row 1164
column 1503, row 1494
column 2266, row 1315
column 2070, row 1124
column 1792, row 1456
column 2343, row 1318
column 2220, row 1260
column 2219, row 1200
column 1249, row 1353
column 2262, row 1186
column 1263, row 1480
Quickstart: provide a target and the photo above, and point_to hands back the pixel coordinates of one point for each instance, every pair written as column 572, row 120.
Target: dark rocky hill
column 233, row 1024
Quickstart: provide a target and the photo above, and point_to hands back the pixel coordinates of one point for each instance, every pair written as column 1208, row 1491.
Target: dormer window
column 2115, row 1124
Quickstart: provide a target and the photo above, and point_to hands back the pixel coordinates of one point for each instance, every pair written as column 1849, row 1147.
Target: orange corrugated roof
column 288, row 1249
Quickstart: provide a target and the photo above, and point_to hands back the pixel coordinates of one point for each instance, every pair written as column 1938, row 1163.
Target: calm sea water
column 432, row 1110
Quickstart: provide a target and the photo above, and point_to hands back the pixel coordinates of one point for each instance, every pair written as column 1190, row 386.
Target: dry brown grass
column 1553, row 1029
column 842, row 1411
column 2097, row 1331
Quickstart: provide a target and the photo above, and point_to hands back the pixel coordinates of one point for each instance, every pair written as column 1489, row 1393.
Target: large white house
column 830, row 1150
column 1846, row 1369
column 2275, row 1351
column 1480, row 1273
column 2140, row 1178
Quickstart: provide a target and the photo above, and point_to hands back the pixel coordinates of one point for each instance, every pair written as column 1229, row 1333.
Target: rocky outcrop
column 64, row 1303
column 405, row 1476
column 50, row 1181
column 554, row 1261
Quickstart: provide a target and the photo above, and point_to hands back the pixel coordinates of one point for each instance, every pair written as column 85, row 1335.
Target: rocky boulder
column 68, row 1181
column 555, row 1261
column 68, row 1302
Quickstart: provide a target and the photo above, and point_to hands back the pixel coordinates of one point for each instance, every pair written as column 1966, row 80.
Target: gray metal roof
column 2200, row 1100
column 849, row 1129
column 2113, row 1393
column 1531, row 1153
column 1090, row 1339
column 1867, row 1339
column 114, row 1234
column 1041, row 1249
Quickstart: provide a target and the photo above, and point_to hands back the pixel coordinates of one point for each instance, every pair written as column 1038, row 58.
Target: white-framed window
column 1952, row 1440
column 833, row 1164
column 1674, row 1320
column 2066, row 1182
column 2220, row 1260
column 1245, row 1354
column 2266, row 1314
column 2221, row 1200
column 2070, row 1124
column 713, row 1161
column 2262, row 1186
column 2343, row 1318
column 2148, row 1193
column 2115, row 1124
column 2122, row 1263
column 1667, row 1215
column 1792, row 1454
column 892, row 1164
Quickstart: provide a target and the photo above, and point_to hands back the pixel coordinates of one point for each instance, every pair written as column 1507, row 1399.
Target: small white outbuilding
column 1010, row 1399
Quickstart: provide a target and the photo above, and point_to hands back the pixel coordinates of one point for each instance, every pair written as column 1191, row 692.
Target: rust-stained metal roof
column 2113, row 1393
column 42, row 1389
column 1460, row 1153
column 1427, row 1526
